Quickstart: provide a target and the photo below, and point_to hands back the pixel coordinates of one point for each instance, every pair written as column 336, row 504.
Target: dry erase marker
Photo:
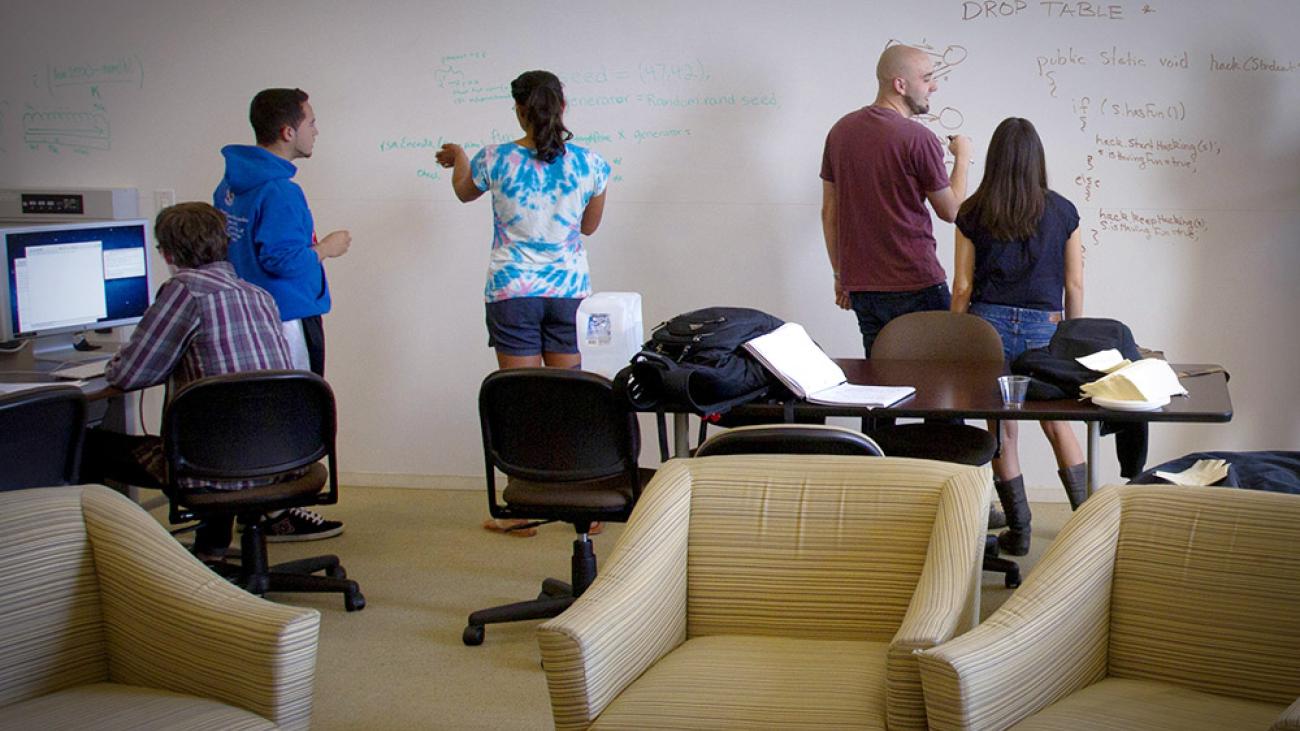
column 953, row 137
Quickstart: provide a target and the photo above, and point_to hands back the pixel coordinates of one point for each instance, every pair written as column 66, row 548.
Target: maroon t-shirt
column 882, row 165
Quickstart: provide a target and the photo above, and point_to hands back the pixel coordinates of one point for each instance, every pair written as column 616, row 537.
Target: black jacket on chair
column 1271, row 471
column 1055, row 374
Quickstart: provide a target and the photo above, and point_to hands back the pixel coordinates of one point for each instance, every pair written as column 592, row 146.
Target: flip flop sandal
column 491, row 524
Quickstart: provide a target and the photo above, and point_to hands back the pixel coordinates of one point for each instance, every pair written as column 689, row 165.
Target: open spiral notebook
column 792, row 356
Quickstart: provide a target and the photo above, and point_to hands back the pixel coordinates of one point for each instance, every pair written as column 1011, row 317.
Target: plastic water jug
column 609, row 331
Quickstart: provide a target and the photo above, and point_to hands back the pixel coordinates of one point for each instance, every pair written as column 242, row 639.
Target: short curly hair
column 191, row 234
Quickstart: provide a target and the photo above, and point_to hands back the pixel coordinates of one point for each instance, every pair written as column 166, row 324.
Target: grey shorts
column 533, row 325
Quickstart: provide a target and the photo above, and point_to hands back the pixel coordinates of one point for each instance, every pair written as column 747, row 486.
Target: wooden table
column 955, row 389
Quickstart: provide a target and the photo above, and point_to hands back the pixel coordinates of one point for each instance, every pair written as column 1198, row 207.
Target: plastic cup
column 1013, row 390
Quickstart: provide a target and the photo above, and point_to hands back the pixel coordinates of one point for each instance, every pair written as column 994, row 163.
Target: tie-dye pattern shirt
column 537, row 214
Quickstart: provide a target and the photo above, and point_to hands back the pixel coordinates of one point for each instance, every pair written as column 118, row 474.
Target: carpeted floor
column 424, row 563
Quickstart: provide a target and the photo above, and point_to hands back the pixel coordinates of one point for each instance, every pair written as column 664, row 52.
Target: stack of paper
column 1204, row 472
column 1104, row 361
column 1147, row 380
column 790, row 355
column 6, row 388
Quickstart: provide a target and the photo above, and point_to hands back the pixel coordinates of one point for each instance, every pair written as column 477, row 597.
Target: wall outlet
column 162, row 198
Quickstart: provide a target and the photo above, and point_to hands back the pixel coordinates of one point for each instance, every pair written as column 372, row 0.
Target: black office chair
column 569, row 450
column 943, row 336
column 41, row 432
column 258, row 424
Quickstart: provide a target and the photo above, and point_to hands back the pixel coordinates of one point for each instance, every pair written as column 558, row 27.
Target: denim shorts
column 533, row 325
column 1021, row 329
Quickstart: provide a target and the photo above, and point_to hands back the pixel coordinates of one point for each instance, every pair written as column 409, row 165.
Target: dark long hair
column 540, row 96
column 1010, row 199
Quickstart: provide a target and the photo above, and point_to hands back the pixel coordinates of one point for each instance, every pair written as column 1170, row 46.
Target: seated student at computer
column 205, row 321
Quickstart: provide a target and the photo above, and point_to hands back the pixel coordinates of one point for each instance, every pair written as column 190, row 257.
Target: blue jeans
column 1021, row 329
column 876, row 309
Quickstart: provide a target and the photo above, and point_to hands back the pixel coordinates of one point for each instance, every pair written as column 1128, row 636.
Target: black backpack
column 694, row 362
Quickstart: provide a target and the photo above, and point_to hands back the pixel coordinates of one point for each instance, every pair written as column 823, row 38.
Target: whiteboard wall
column 1171, row 125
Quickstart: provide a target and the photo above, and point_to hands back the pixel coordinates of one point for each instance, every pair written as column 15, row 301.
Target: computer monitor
column 64, row 279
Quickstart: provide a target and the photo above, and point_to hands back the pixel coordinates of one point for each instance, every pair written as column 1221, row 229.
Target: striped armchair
column 773, row 591
column 108, row 623
column 1158, row 607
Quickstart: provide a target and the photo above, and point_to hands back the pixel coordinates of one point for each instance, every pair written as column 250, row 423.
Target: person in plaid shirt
column 205, row 321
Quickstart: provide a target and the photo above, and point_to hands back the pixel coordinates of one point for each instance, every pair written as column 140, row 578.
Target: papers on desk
column 1104, row 361
column 1204, row 472
column 82, row 371
column 6, row 388
column 1136, row 386
column 790, row 355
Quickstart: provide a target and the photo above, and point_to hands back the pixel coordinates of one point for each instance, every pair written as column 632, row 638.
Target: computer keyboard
column 83, row 371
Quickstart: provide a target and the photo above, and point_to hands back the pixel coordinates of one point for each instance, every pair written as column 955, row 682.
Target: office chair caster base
column 472, row 636
column 257, row 585
column 994, row 562
column 552, row 588
column 353, row 601
column 337, row 572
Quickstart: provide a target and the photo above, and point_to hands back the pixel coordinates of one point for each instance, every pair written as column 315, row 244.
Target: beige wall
column 714, row 116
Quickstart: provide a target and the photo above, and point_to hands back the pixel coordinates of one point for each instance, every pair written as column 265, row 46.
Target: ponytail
column 540, row 96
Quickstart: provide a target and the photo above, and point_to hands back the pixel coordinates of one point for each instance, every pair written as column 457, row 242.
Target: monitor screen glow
column 62, row 278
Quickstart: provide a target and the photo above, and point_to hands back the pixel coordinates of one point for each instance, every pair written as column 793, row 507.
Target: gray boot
column 1075, row 480
column 1015, row 539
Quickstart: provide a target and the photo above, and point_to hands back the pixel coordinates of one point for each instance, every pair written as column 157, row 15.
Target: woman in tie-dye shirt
column 546, row 194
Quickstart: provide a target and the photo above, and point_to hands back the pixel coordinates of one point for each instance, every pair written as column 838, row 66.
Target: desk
column 970, row 391
column 109, row 407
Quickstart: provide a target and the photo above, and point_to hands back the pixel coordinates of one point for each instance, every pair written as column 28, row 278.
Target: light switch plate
column 163, row 198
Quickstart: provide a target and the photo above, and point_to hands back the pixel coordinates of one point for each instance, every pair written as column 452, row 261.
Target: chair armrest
column 1047, row 641
column 1289, row 720
column 172, row 623
column 632, row 615
column 946, row 594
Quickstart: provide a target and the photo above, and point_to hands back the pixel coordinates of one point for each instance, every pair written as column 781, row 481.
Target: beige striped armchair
column 106, row 622
column 1158, row 607
column 773, row 591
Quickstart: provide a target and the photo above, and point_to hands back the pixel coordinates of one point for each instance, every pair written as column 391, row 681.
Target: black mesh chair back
column 550, row 425
column 248, row 425
column 790, row 439
column 258, row 424
column 42, row 430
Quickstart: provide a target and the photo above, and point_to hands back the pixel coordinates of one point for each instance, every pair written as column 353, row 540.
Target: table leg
column 1094, row 442
column 681, row 435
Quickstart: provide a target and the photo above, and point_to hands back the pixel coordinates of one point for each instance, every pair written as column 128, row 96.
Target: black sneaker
column 297, row 524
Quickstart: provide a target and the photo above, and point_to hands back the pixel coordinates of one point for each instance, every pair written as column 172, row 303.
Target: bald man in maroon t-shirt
column 878, row 170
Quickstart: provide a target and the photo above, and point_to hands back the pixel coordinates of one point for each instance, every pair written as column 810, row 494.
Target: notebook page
column 792, row 356
column 854, row 394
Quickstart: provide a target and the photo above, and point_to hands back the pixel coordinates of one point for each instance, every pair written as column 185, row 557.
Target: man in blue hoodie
column 273, row 244
column 273, row 240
